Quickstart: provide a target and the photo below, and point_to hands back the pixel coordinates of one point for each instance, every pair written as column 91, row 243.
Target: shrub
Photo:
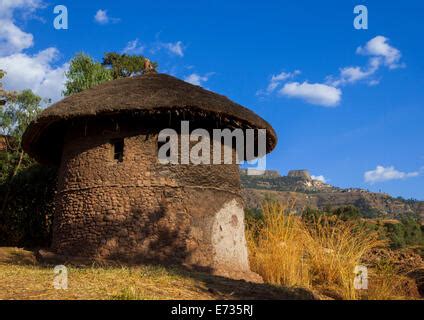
column 408, row 232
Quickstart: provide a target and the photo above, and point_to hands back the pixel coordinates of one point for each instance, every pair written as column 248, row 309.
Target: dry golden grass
column 277, row 248
column 335, row 248
column 320, row 255
column 22, row 278
column 389, row 282
column 35, row 282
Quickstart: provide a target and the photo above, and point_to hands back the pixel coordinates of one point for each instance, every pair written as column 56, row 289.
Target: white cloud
column 197, row 79
column 102, row 17
column 133, row 47
column 381, row 174
column 174, row 48
column 353, row 74
column 381, row 54
column 380, row 48
column 314, row 93
column 350, row 75
column 373, row 82
column 276, row 80
column 35, row 72
column 12, row 38
column 8, row 7
column 24, row 71
column 319, row 178
column 328, row 94
column 284, row 76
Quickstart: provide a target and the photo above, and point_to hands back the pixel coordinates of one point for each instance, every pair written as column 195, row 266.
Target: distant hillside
column 306, row 192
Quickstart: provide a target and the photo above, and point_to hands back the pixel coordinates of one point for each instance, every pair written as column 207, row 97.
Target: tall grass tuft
column 319, row 253
column 277, row 248
column 334, row 249
column 390, row 282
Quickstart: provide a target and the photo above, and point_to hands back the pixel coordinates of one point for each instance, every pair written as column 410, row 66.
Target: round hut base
column 133, row 209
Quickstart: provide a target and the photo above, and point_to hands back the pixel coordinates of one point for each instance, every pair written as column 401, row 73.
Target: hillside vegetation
column 310, row 193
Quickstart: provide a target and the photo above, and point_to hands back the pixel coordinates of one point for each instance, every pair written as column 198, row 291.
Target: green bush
column 404, row 233
column 395, row 233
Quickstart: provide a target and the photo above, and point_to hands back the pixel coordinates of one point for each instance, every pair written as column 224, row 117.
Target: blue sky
column 346, row 104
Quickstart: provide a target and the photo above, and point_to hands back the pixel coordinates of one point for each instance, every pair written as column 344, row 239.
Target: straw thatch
column 144, row 95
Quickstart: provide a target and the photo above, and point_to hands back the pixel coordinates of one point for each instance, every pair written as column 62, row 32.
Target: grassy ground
column 21, row 277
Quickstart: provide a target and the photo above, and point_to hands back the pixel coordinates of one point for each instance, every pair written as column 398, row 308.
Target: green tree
column 123, row 65
column 413, row 231
column 347, row 213
column 396, row 234
column 4, row 94
column 84, row 73
column 2, row 91
column 15, row 116
column 26, row 189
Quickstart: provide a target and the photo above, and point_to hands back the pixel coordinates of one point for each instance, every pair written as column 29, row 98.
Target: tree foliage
column 84, row 73
column 4, row 94
column 26, row 189
column 123, row 65
column 15, row 116
column 408, row 232
column 18, row 112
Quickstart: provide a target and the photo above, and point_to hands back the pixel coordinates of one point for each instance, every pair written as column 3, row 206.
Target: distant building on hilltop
column 304, row 174
column 266, row 173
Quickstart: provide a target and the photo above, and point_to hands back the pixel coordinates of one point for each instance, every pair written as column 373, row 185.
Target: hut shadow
column 208, row 286
column 160, row 239
column 220, row 287
column 141, row 237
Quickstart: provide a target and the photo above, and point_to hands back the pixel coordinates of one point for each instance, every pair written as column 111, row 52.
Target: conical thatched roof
column 145, row 95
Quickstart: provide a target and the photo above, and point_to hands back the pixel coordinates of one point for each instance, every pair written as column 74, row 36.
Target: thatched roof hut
column 115, row 200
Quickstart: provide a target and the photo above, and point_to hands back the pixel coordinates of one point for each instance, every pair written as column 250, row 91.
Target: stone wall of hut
column 139, row 210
